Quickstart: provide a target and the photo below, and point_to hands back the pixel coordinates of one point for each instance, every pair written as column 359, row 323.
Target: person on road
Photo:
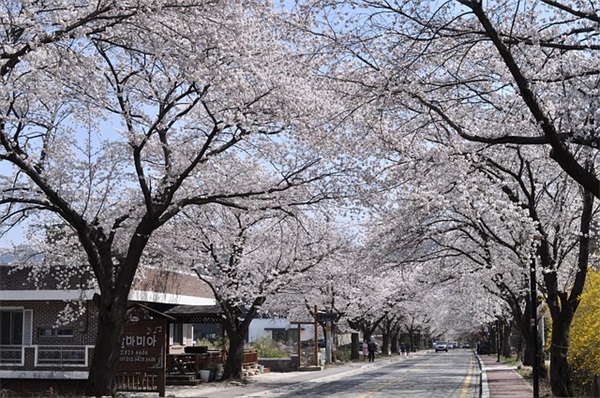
column 372, row 347
column 365, row 350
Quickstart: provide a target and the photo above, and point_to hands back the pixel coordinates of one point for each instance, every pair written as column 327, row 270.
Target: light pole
column 534, row 326
column 498, row 338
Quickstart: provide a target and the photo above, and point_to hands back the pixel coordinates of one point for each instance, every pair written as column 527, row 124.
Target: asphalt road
column 454, row 375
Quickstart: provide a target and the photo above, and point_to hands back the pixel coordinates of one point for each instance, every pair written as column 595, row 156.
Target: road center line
column 467, row 382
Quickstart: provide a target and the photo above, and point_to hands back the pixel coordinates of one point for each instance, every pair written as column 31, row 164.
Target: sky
column 15, row 236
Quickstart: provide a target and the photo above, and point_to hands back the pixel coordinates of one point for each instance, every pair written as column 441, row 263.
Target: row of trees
column 505, row 95
column 401, row 163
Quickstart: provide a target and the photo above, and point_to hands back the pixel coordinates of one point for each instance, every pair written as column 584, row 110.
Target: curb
column 484, row 391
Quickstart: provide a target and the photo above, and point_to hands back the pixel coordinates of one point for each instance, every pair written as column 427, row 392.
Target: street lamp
column 534, row 327
column 498, row 339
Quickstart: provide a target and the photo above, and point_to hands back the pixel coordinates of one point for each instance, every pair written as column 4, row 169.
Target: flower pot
column 205, row 375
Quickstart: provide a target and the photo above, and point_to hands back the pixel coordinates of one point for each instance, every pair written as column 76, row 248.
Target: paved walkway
column 499, row 380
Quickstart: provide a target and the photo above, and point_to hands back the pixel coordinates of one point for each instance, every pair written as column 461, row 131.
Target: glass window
column 11, row 327
column 177, row 333
column 55, row 332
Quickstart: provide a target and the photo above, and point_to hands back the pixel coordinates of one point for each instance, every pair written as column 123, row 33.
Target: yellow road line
column 467, row 382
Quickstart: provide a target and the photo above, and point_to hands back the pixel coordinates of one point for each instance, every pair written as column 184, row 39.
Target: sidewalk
column 499, row 380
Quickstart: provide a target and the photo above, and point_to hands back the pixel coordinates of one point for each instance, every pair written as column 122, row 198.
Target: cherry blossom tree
column 246, row 257
column 335, row 287
column 496, row 73
column 118, row 115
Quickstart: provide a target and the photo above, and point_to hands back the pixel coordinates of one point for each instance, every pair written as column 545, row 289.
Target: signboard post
column 328, row 318
column 143, row 355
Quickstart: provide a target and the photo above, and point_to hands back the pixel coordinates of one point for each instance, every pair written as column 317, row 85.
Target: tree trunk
column 354, row 354
column 235, row 356
column 411, row 335
column 560, row 369
column 506, row 346
column 395, row 337
column 527, row 354
column 563, row 305
column 385, row 346
column 525, row 329
column 354, row 338
column 111, row 325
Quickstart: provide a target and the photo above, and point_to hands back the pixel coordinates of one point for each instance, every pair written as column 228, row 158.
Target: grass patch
column 512, row 361
column 526, row 373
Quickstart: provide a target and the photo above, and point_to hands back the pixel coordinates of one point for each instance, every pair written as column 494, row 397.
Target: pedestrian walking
column 372, row 348
column 365, row 350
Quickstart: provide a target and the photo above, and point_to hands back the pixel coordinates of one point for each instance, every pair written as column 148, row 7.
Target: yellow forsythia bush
column 585, row 330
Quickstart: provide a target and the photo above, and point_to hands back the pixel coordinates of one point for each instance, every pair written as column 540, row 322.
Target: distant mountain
column 8, row 256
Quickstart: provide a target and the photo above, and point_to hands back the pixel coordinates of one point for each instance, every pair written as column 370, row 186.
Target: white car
column 440, row 346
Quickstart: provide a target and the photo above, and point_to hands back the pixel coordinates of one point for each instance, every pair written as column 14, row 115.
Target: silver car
column 441, row 346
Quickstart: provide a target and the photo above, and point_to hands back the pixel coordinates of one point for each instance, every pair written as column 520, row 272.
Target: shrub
column 268, row 348
column 205, row 342
column 343, row 354
column 220, row 343
column 585, row 333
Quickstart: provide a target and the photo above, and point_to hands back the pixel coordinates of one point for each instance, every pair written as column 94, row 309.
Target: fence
column 144, row 381
column 61, row 355
column 11, row 355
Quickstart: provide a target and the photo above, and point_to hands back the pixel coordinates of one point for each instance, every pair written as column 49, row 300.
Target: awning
column 196, row 313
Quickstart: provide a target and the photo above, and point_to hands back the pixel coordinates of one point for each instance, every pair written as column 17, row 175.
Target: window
column 55, row 332
column 11, row 327
column 177, row 333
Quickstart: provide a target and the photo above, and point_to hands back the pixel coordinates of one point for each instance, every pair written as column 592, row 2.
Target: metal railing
column 67, row 355
column 11, row 355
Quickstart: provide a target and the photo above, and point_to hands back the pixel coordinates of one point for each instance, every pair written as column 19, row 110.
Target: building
column 34, row 348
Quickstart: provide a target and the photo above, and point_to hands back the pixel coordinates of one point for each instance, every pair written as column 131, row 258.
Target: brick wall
column 45, row 314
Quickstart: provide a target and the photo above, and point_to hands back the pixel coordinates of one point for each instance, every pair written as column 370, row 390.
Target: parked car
column 441, row 346
column 466, row 345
